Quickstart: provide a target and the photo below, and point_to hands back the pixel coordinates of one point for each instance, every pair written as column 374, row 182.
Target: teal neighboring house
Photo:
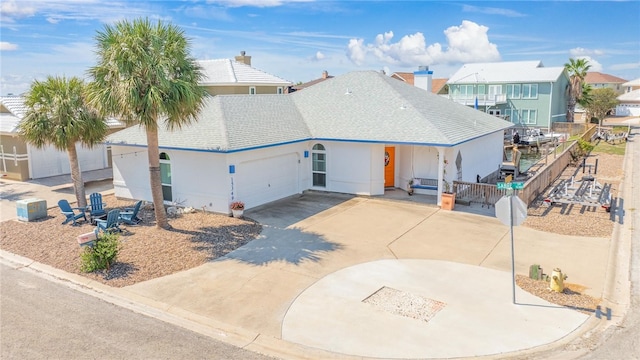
column 526, row 93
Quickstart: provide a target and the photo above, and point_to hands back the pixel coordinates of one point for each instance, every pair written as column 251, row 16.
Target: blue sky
column 298, row 39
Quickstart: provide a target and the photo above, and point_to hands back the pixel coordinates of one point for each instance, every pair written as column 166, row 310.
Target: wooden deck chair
column 130, row 215
column 111, row 224
column 96, row 206
column 70, row 212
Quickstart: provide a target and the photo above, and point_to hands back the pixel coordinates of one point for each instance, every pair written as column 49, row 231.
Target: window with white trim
column 529, row 116
column 165, row 177
column 529, row 91
column 319, row 165
column 466, row 91
column 280, row 90
column 513, row 115
column 494, row 91
column 513, row 91
column 252, row 90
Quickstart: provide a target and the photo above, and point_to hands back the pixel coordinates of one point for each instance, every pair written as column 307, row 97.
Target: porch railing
column 488, row 193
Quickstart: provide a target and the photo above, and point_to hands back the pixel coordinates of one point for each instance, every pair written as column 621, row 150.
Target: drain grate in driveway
column 404, row 304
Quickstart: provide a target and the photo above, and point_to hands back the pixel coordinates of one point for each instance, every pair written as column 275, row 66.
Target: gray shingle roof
column 231, row 72
column 505, row 72
column 376, row 109
column 228, row 123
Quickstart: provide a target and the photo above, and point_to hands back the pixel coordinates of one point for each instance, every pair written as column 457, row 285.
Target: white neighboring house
column 358, row 133
column 22, row 161
column 629, row 101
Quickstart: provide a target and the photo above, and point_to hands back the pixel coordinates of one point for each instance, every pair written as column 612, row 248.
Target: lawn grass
column 607, row 148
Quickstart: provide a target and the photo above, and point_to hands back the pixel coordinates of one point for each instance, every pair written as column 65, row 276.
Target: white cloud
column 492, row 11
column 465, row 43
column 626, row 66
column 254, row 3
column 7, row 46
column 14, row 84
column 580, row 52
column 11, row 10
column 318, row 56
column 595, row 65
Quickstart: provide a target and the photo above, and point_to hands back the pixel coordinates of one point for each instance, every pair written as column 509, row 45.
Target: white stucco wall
column 203, row 179
column 479, row 157
column 266, row 174
column 354, row 168
column 194, row 177
column 130, row 172
column 198, row 179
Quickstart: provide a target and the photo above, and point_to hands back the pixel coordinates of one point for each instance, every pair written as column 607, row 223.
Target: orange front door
column 389, row 166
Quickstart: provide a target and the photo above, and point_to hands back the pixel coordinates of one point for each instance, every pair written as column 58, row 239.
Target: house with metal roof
column 22, row 161
column 526, row 93
column 358, row 133
column 226, row 76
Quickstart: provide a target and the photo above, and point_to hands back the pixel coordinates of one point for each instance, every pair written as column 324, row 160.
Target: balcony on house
column 483, row 99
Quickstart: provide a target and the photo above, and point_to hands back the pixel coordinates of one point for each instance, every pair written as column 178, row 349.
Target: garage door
column 266, row 180
column 51, row 162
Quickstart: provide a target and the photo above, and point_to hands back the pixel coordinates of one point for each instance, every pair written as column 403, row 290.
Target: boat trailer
column 586, row 192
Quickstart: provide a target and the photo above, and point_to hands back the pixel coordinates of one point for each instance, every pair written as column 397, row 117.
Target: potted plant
column 237, row 208
column 448, row 199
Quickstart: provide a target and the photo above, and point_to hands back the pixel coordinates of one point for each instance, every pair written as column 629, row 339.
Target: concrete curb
column 212, row 328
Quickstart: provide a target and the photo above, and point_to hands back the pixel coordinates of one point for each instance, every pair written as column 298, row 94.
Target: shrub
column 585, row 146
column 102, row 254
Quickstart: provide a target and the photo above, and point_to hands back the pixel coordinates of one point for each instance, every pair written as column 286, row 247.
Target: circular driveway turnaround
column 473, row 315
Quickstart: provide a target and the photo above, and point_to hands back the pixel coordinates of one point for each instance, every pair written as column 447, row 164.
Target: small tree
column 601, row 102
column 58, row 114
column 102, row 255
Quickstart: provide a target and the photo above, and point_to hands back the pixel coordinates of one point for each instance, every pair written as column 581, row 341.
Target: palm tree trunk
column 571, row 110
column 76, row 175
column 154, row 178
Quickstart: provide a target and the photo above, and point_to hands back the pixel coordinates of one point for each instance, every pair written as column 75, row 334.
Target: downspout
column 440, row 174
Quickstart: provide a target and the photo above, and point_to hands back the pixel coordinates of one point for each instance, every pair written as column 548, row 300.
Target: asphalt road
column 623, row 342
column 42, row 319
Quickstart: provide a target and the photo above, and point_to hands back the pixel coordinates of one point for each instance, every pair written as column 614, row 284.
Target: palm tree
column 58, row 114
column 145, row 75
column 577, row 70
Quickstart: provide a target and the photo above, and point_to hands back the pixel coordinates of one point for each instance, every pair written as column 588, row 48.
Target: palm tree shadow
column 290, row 245
column 13, row 195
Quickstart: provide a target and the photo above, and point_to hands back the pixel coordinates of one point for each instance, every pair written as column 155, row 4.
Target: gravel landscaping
column 198, row 237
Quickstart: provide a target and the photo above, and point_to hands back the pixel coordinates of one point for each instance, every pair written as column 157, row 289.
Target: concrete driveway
column 289, row 288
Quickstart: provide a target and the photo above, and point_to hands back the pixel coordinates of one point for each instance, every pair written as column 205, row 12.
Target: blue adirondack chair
column 96, row 206
column 70, row 212
column 111, row 224
column 130, row 215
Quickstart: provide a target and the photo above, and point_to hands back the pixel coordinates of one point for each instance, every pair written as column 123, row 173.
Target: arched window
column 319, row 165
column 165, row 176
